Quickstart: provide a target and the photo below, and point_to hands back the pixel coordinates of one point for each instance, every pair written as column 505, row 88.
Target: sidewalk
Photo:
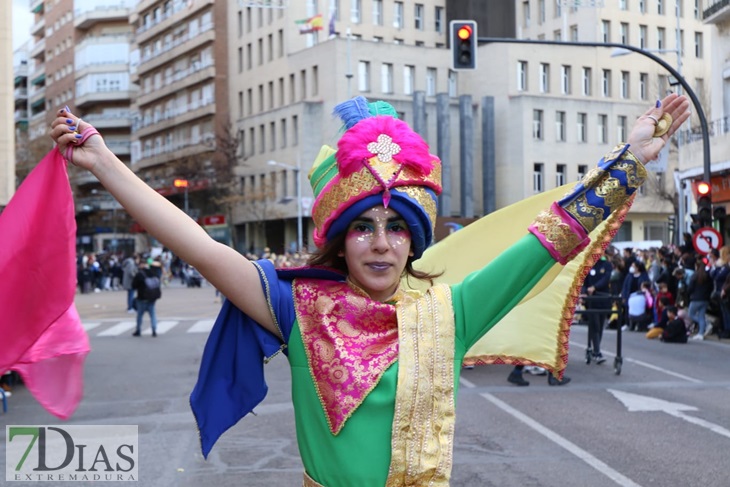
column 177, row 301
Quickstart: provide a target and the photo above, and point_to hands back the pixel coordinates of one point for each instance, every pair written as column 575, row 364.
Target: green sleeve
column 484, row 297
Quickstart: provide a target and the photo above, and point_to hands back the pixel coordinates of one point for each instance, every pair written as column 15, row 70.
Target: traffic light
column 463, row 44
column 703, row 192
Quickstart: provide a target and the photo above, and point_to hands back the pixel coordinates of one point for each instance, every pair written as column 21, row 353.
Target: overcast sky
column 22, row 21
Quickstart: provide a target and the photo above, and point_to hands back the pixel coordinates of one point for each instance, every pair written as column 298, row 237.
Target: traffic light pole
column 692, row 96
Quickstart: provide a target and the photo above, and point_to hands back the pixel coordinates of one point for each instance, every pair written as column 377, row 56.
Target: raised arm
column 230, row 272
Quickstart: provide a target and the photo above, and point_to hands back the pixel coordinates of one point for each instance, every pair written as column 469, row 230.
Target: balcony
column 21, row 116
column 717, row 12
column 154, row 26
column 178, row 82
column 178, row 117
column 183, row 45
column 36, row 6
column 39, row 48
column 110, row 119
column 90, row 13
column 110, row 67
column 95, row 97
column 173, row 152
column 37, row 28
column 20, row 93
column 120, row 147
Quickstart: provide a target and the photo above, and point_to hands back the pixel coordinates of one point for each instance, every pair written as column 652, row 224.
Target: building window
column 662, row 83
column 452, row 83
column 642, row 6
column 283, row 133
column 295, row 129
column 261, row 98
column 439, row 20
column 602, row 128
column 262, row 139
column 418, row 17
column 560, row 126
column 660, row 34
column 526, row 13
column 315, row 81
column 560, row 175
column 522, row 75
column 624, row 33
column 408, row 79
column 574, row 33
column 537, row 124
column 606, row 83
column 303, row 81
column 697, row 10
column 621, row 128
column 398, row 15
column 557, row 35
column 240, row 104
column 643, row 84
column 698, row 45
column 377, row 12
column 272, row 135
column 660, row 7
column 431, row 74
column 249, row 100
column 261, row 51
column 355, row 11
column 541, row 11
column 240, row 59
column 386, row 77
column 700, row 89
column 252, row 141
column 582, row 171
column 538, row 175
column 565, row 79
column 623, row 4
column 271, row 95
column 281, row 42
column 249, row 56
column 642, row 36
column 606, row 30
column 625, row 83
column 582, row 129
column 544, row 78
column 363, row 76
column 587, row 81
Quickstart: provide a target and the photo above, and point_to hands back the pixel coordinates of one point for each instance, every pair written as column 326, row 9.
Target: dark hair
column 701, row 272
column 671, row 309
column 329, row 256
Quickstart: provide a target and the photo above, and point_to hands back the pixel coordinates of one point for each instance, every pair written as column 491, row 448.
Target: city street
column 663, row 421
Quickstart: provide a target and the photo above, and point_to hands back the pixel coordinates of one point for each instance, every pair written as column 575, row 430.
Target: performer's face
column 377, row 247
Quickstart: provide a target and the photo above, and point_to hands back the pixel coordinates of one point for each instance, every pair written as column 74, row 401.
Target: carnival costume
column 374, row 383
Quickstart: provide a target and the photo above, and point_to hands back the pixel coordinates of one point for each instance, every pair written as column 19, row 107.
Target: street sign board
column 705, row 239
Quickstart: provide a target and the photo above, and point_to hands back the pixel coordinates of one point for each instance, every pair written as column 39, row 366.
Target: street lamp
column 183, row 183
column 692, row 96
column 297, row 170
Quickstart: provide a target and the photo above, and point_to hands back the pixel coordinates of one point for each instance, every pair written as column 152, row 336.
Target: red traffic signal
column 463, row 38
column 703, row 188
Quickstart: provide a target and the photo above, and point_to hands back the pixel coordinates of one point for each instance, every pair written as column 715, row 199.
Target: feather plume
column 352, row 149
column 352, row 111
column 382, row 108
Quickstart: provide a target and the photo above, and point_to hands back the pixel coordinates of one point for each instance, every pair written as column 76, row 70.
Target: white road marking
column 202, row 326
column 118, row 329
column 644, row 364
column 90, row 326
column 162, row 327
column 560, row 441
column 637, row 402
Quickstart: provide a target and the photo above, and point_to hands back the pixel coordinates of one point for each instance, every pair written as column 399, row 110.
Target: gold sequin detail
column 423, row 424
column 557, row 232
column 587, row 215
column 360, row 183
column 612, row 192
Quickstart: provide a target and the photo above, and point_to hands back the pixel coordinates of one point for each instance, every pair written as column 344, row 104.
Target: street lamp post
column 643, row 52
column 183, row 183
column 297, row 170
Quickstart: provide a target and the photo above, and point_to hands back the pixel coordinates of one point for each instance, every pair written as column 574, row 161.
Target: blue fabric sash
column 231, row 378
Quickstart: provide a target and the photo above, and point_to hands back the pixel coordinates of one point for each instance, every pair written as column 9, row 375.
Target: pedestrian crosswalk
column 110, row 328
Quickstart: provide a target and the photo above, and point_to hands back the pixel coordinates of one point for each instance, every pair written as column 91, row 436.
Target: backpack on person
column 151, row 289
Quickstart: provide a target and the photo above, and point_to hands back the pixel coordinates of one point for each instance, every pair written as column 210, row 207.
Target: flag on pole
column 332, row 31
column 312, row 24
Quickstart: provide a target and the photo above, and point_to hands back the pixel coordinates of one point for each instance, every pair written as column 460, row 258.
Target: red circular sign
column 705, row 239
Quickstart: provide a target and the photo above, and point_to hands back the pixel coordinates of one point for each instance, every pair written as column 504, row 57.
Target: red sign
column 214, row 220
column 705, row 239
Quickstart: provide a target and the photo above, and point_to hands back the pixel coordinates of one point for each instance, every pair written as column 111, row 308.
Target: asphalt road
column 663, row 421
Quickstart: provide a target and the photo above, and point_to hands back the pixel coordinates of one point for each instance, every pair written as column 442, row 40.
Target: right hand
column 86, row 155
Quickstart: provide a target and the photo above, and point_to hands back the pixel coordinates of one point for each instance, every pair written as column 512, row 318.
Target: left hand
column 642, row 142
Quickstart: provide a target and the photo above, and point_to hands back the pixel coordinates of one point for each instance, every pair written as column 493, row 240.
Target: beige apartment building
column 558, row 109
column 7, row 141
column 716, row 15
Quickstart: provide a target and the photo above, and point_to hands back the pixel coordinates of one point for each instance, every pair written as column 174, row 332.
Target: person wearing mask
column 632, row 283
column 596, row 287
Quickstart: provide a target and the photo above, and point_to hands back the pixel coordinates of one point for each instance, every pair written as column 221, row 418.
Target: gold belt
column 309, row 482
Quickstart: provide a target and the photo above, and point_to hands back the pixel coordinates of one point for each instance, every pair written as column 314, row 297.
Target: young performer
column 374, row 366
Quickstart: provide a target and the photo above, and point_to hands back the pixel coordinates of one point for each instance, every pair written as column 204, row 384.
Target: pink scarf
column 41, row 336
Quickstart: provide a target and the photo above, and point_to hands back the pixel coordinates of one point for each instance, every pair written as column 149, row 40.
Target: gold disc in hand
column 662, row 126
